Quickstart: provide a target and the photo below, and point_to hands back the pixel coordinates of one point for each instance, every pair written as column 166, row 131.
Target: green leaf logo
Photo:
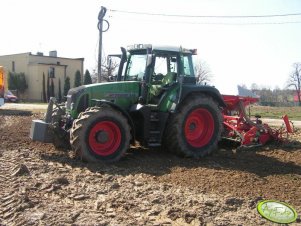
column 278, row 212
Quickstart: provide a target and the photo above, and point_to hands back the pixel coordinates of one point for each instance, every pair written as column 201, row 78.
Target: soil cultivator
column 249, row 133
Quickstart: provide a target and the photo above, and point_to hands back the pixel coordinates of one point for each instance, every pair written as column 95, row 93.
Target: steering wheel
column 157, row 77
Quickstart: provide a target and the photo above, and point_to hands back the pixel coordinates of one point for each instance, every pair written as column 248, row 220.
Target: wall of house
column 35, row 82
column 14, row 63
column 35, row 66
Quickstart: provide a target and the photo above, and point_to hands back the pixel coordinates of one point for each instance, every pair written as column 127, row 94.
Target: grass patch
column 294, row 113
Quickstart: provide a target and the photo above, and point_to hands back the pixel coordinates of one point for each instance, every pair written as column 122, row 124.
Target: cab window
column 136, row 67
column 161, row 65
column 165, row 65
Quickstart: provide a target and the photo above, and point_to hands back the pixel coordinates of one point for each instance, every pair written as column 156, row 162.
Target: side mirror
column 149, row 60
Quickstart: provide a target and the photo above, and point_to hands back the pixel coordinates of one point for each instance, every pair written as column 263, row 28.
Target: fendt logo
column 278, row 212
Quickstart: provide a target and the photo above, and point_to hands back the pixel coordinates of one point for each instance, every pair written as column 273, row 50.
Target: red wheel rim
column 199, row 127
column 104, row 138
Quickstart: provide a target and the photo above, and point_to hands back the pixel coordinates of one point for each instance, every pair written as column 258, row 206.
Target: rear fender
column 189, row 90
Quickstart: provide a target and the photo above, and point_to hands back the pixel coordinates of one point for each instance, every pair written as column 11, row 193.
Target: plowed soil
column 40, row 185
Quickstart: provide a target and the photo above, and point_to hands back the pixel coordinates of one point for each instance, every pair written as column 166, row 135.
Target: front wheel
column 194, row 131
column 100, row 134
column 60, row 135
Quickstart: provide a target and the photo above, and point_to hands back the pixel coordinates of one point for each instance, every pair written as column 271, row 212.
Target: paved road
column 26, row 107
column 279, row 122
column 43, row 107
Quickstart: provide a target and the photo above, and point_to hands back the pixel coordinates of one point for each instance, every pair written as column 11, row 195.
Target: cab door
column 164, row 74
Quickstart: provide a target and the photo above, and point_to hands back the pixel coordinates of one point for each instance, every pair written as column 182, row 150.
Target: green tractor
column 155, row 100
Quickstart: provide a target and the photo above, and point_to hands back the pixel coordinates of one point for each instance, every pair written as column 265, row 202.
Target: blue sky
column 238, row 51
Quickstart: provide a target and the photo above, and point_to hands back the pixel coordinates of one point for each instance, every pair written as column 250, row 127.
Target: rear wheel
column 194, row 131
column 100, row 134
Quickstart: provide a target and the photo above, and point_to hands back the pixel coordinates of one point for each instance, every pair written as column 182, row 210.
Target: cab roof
column 165, row 48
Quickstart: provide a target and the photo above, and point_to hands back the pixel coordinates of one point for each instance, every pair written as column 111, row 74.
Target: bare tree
column 295, row 80
column 109, row 65
column 202, row 72
column 94, row 76
column 254, row 87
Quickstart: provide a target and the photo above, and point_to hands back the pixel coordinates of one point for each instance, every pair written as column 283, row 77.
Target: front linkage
column 55, row 127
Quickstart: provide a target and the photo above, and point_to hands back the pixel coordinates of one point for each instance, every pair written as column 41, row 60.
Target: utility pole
column 101, row 15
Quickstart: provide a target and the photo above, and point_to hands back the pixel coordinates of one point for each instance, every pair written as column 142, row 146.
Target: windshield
column 136, row 67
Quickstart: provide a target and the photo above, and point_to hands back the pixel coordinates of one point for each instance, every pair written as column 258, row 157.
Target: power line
column 203, row 16
column 248, row 23
column 214, row 23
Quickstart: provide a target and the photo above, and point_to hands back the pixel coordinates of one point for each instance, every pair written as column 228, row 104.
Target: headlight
column 68, row 102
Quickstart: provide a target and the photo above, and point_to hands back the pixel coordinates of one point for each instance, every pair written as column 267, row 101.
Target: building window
column 51, row 72
column 13, row 66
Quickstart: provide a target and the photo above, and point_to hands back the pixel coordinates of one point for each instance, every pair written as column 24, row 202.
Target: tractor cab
column 159, row 70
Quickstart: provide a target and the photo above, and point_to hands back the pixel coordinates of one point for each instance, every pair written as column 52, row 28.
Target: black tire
column 195, row 129
column 60, row 136
column 100, row 134
column 61, row 139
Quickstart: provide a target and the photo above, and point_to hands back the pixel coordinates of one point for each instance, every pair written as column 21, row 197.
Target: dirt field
column 40, row 185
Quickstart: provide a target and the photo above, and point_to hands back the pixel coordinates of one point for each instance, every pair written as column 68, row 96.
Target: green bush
column 17, row 81
column 78, row 79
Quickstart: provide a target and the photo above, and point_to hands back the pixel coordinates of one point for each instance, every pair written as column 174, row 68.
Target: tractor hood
column 124, row 94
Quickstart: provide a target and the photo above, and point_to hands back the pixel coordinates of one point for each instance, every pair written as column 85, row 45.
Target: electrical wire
column 209, row 23
column 205, row 16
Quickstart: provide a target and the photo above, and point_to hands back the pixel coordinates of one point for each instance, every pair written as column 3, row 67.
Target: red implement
column 239, row 127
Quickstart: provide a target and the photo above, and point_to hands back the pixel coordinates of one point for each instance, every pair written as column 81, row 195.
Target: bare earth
column 40, row 185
